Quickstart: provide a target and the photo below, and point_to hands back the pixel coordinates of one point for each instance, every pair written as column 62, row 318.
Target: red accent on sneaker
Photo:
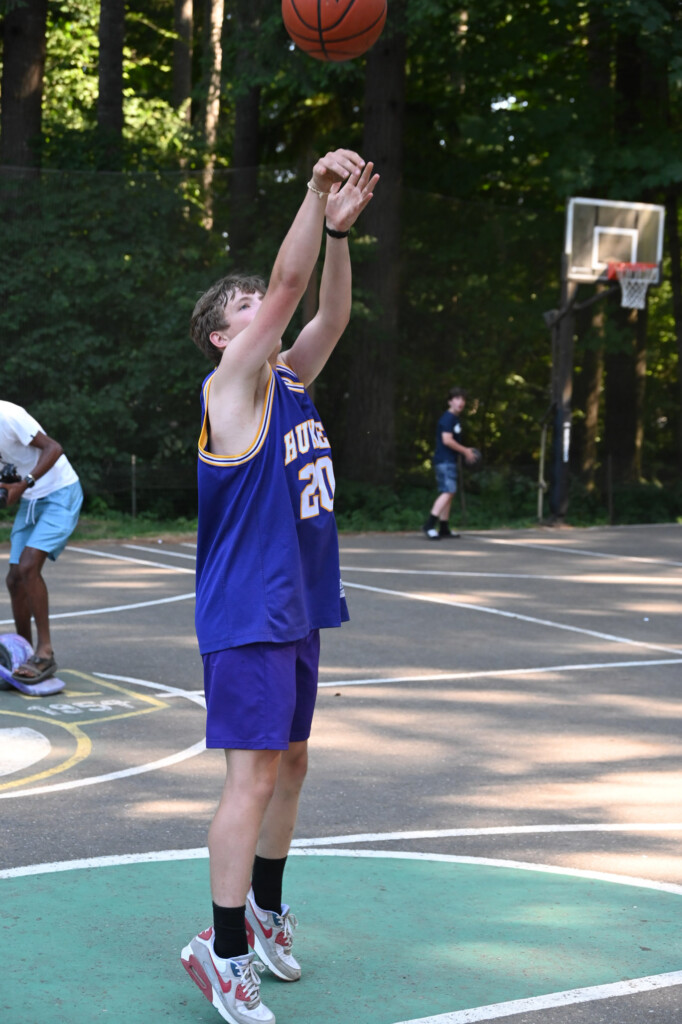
column 225, row 986
column 198, row 976
column 241, row 994
column 280, row 940
column 207, row 934
column 250, row 938
column 267, row 932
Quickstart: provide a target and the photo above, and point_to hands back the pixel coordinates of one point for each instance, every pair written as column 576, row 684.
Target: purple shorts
column 261, row 696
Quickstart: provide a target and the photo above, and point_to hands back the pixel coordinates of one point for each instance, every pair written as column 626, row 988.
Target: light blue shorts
column 446, row 477
column 46, row 523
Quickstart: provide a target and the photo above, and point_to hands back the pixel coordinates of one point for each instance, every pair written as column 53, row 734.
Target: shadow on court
column 491, row 824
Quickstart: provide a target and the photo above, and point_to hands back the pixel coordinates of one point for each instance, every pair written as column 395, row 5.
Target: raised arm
column 311, row 350
column 247, row 351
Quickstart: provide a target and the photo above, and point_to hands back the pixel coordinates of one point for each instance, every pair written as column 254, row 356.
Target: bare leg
column 28, row 593
column 251, row 777
column 280, row 817
column 441, row 506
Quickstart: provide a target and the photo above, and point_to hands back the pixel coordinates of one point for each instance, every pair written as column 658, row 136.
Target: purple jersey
column 267, row 546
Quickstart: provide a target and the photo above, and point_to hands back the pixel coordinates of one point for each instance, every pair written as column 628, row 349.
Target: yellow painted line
column 145, row 698
column 83, row 749
column 154, row 703
column 82, row 740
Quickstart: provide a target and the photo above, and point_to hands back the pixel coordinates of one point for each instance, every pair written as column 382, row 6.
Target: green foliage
column 647, row 503
column 97, row 315
column 98, row 273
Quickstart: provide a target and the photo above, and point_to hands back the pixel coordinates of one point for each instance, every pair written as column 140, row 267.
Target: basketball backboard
column 599, row 231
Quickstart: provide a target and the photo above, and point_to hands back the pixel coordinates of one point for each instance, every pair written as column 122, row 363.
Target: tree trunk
column 246, row 146
column 620, row 420
column 673, row 232
column 244, row 177
column 110, row 98
column 22, row 84
column 593, row 371
column 369, row 449
column 182, row 57
column 639, row 368
column 599, row 63
column 213, row 65
column 624, row 392
column 590, row 325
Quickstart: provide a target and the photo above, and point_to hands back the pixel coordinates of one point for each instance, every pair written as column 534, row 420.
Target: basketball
column 334, row 30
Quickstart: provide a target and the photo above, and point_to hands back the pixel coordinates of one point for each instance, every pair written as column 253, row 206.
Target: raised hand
column 346, row 202
column 336, row 166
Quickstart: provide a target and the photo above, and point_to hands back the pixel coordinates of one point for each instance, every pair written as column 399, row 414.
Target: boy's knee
column 295, row 763
column 14, row 579
column 28, row 567
column 262, row 779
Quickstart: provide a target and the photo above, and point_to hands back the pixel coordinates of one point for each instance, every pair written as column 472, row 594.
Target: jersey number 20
column 320, row 490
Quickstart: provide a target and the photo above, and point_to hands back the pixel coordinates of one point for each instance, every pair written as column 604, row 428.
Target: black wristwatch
column 29, row 480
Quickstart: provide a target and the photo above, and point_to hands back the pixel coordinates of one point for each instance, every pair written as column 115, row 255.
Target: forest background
column 148, row 147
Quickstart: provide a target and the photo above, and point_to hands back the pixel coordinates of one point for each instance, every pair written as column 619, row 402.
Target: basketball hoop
column 634, row 279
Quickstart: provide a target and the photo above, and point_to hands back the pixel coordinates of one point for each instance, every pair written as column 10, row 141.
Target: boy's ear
column 215, row 339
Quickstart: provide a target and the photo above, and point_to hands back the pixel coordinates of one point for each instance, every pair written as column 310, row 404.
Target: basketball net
column 634, row 279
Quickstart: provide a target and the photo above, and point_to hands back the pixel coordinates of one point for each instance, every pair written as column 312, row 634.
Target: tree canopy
column 487, row 117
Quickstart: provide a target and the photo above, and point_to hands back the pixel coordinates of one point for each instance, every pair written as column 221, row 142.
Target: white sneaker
column 271, row 936
column 232, row 986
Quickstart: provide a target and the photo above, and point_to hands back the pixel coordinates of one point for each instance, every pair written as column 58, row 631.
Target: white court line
column 152, row 766
column 539, row 546
column 125, row 773
column 430, row 599
column 492, row 1011
column 501, row 830
column 114, row 608
column 611, row 578
column 196, row 696
column 443, row 677
column 120, row 607
column 164, row 551
column 200, row 853
column 127, row 558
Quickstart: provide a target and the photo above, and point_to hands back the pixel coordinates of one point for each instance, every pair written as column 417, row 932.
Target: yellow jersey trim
column 210, row 458
column 293, row 385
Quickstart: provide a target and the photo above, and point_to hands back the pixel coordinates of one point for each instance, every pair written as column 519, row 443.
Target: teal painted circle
column 380, row 940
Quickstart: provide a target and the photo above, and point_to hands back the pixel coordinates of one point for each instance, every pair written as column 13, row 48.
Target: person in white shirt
column 39, row 478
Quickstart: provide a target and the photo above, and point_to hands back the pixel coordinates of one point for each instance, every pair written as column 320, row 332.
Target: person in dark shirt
column 448, row 448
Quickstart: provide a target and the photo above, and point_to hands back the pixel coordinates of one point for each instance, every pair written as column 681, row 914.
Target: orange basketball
column 334, row 30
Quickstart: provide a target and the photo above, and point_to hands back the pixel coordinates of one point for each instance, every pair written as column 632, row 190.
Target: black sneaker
column 448, row 535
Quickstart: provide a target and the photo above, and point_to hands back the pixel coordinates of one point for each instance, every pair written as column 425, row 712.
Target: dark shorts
column 446, row 477
column 261, row 696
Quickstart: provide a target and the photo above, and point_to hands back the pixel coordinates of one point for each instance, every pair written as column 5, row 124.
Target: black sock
column 431, row 522
column 229, row 927
column 267, row 882
column 444, row 526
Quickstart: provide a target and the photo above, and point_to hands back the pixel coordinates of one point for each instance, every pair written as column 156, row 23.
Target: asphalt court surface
column 491, row 824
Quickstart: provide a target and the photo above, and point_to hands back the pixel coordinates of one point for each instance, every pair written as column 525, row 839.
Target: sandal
column 35, row 669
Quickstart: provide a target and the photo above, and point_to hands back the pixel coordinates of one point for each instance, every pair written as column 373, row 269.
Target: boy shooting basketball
column 267, row 576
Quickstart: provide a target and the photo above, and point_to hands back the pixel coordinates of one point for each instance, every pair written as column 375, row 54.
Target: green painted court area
column 381, row 940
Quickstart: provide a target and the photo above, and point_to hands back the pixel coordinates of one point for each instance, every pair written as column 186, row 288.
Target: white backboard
column 599, row 231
